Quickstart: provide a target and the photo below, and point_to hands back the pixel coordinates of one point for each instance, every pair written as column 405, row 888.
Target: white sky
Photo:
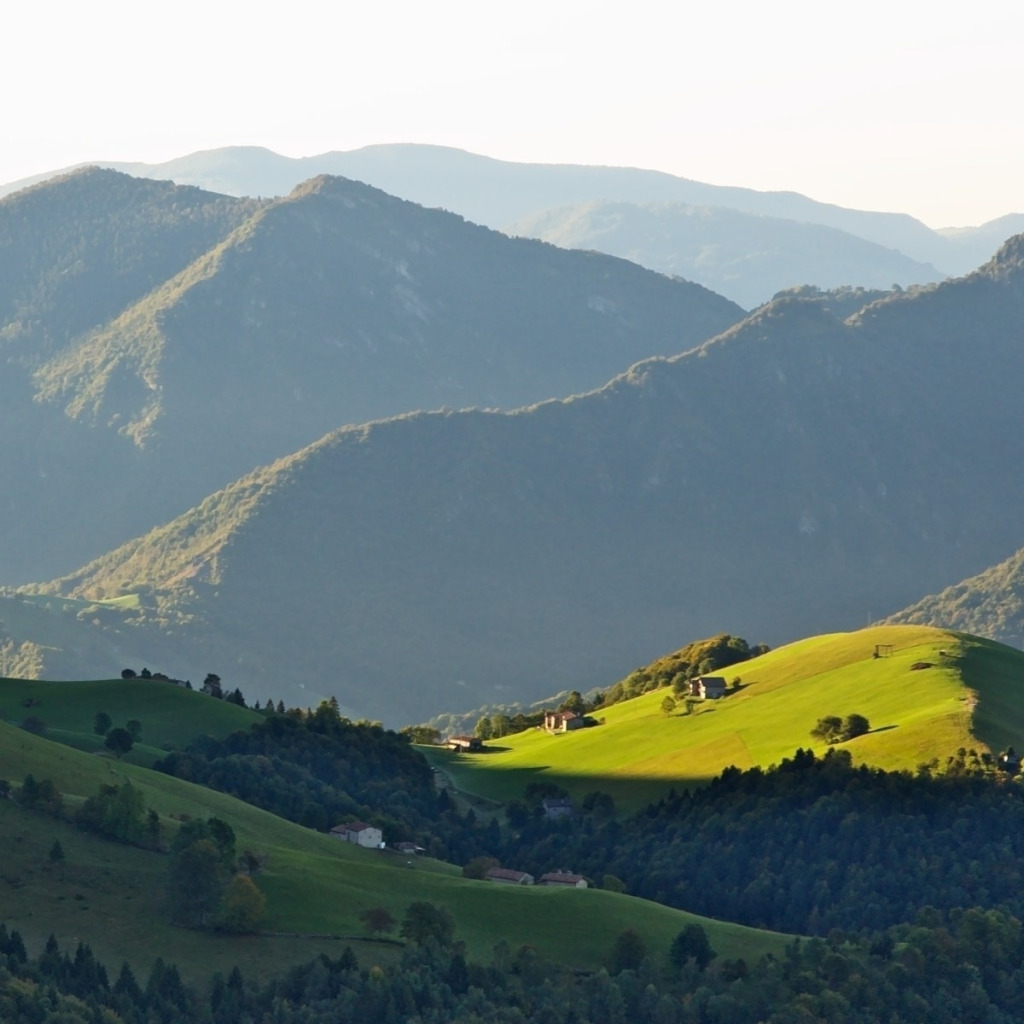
column 883, row 104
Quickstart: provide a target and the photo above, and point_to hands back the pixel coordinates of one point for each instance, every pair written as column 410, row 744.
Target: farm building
column 562, row 721
column 563, row 878
column 557, row 806
column 360, row 833
column 508, row 876
column 708, row 687
column 464, row 743
column 409, row 848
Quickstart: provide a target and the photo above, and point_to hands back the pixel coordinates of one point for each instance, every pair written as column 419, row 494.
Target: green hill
column 111, row 895
column 170, row 715
column 970, row 695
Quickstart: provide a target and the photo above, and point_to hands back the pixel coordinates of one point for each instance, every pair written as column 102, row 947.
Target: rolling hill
column 194, row 337
column 110, row 895
column 796, row 475
column 971, row 695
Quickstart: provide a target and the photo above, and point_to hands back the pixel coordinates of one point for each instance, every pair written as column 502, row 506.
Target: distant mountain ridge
column 210, row 335
column 797, row 474
column 499, row 193
column 747, row 257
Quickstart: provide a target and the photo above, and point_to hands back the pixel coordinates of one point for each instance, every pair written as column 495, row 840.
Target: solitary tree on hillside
column 425, row 921
column 119, row 741
column 101, row 723
column 242, row 907
column 377, row 920
column 627, row 952
column 855, row 725
column 691, row 943
column 828, row 729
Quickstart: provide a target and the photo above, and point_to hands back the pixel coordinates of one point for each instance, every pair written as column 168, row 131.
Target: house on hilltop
column 360, row 833
column 562, row 721
column 508, row 876
column 708, row 687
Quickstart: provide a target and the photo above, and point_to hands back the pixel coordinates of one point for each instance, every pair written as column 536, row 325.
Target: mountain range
column 508, row 196
column 159, row 341
column 798, row 473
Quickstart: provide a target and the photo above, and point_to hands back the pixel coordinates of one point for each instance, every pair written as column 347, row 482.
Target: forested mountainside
column 989, row 604
column 79, row 249
column 211, row 335
column 798, row 474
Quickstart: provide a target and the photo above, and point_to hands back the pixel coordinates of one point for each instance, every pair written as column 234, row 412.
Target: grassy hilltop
column 111, row 895
column 969, row 696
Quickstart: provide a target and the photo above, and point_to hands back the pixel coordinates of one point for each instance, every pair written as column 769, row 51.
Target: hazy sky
column 892, row 105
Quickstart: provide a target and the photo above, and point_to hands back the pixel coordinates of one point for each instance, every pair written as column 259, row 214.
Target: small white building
column 360, row 833
column 708, row 687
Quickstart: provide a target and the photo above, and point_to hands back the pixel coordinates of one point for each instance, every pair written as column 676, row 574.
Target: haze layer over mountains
column 745, row 244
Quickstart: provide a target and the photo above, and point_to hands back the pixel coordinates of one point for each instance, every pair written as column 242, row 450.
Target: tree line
column 936, row 970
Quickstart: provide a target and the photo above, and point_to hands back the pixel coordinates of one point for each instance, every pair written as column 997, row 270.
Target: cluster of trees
column 212, row 686
column 958, row 967
column 833, row 729
column 115, row 812
column 118, row 740
column 36, row 795
column 207, row 886
column 318, row 768
column 698, row 658
column 119, row 813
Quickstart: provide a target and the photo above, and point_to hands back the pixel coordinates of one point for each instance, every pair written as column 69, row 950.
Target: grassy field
column 170, row 715
column 971, row 696
column 110, row 895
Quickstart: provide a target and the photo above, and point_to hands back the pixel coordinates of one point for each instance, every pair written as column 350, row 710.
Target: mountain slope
column 339, row 304
column 79, row 248
column 796, row 475
column 740, row 255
